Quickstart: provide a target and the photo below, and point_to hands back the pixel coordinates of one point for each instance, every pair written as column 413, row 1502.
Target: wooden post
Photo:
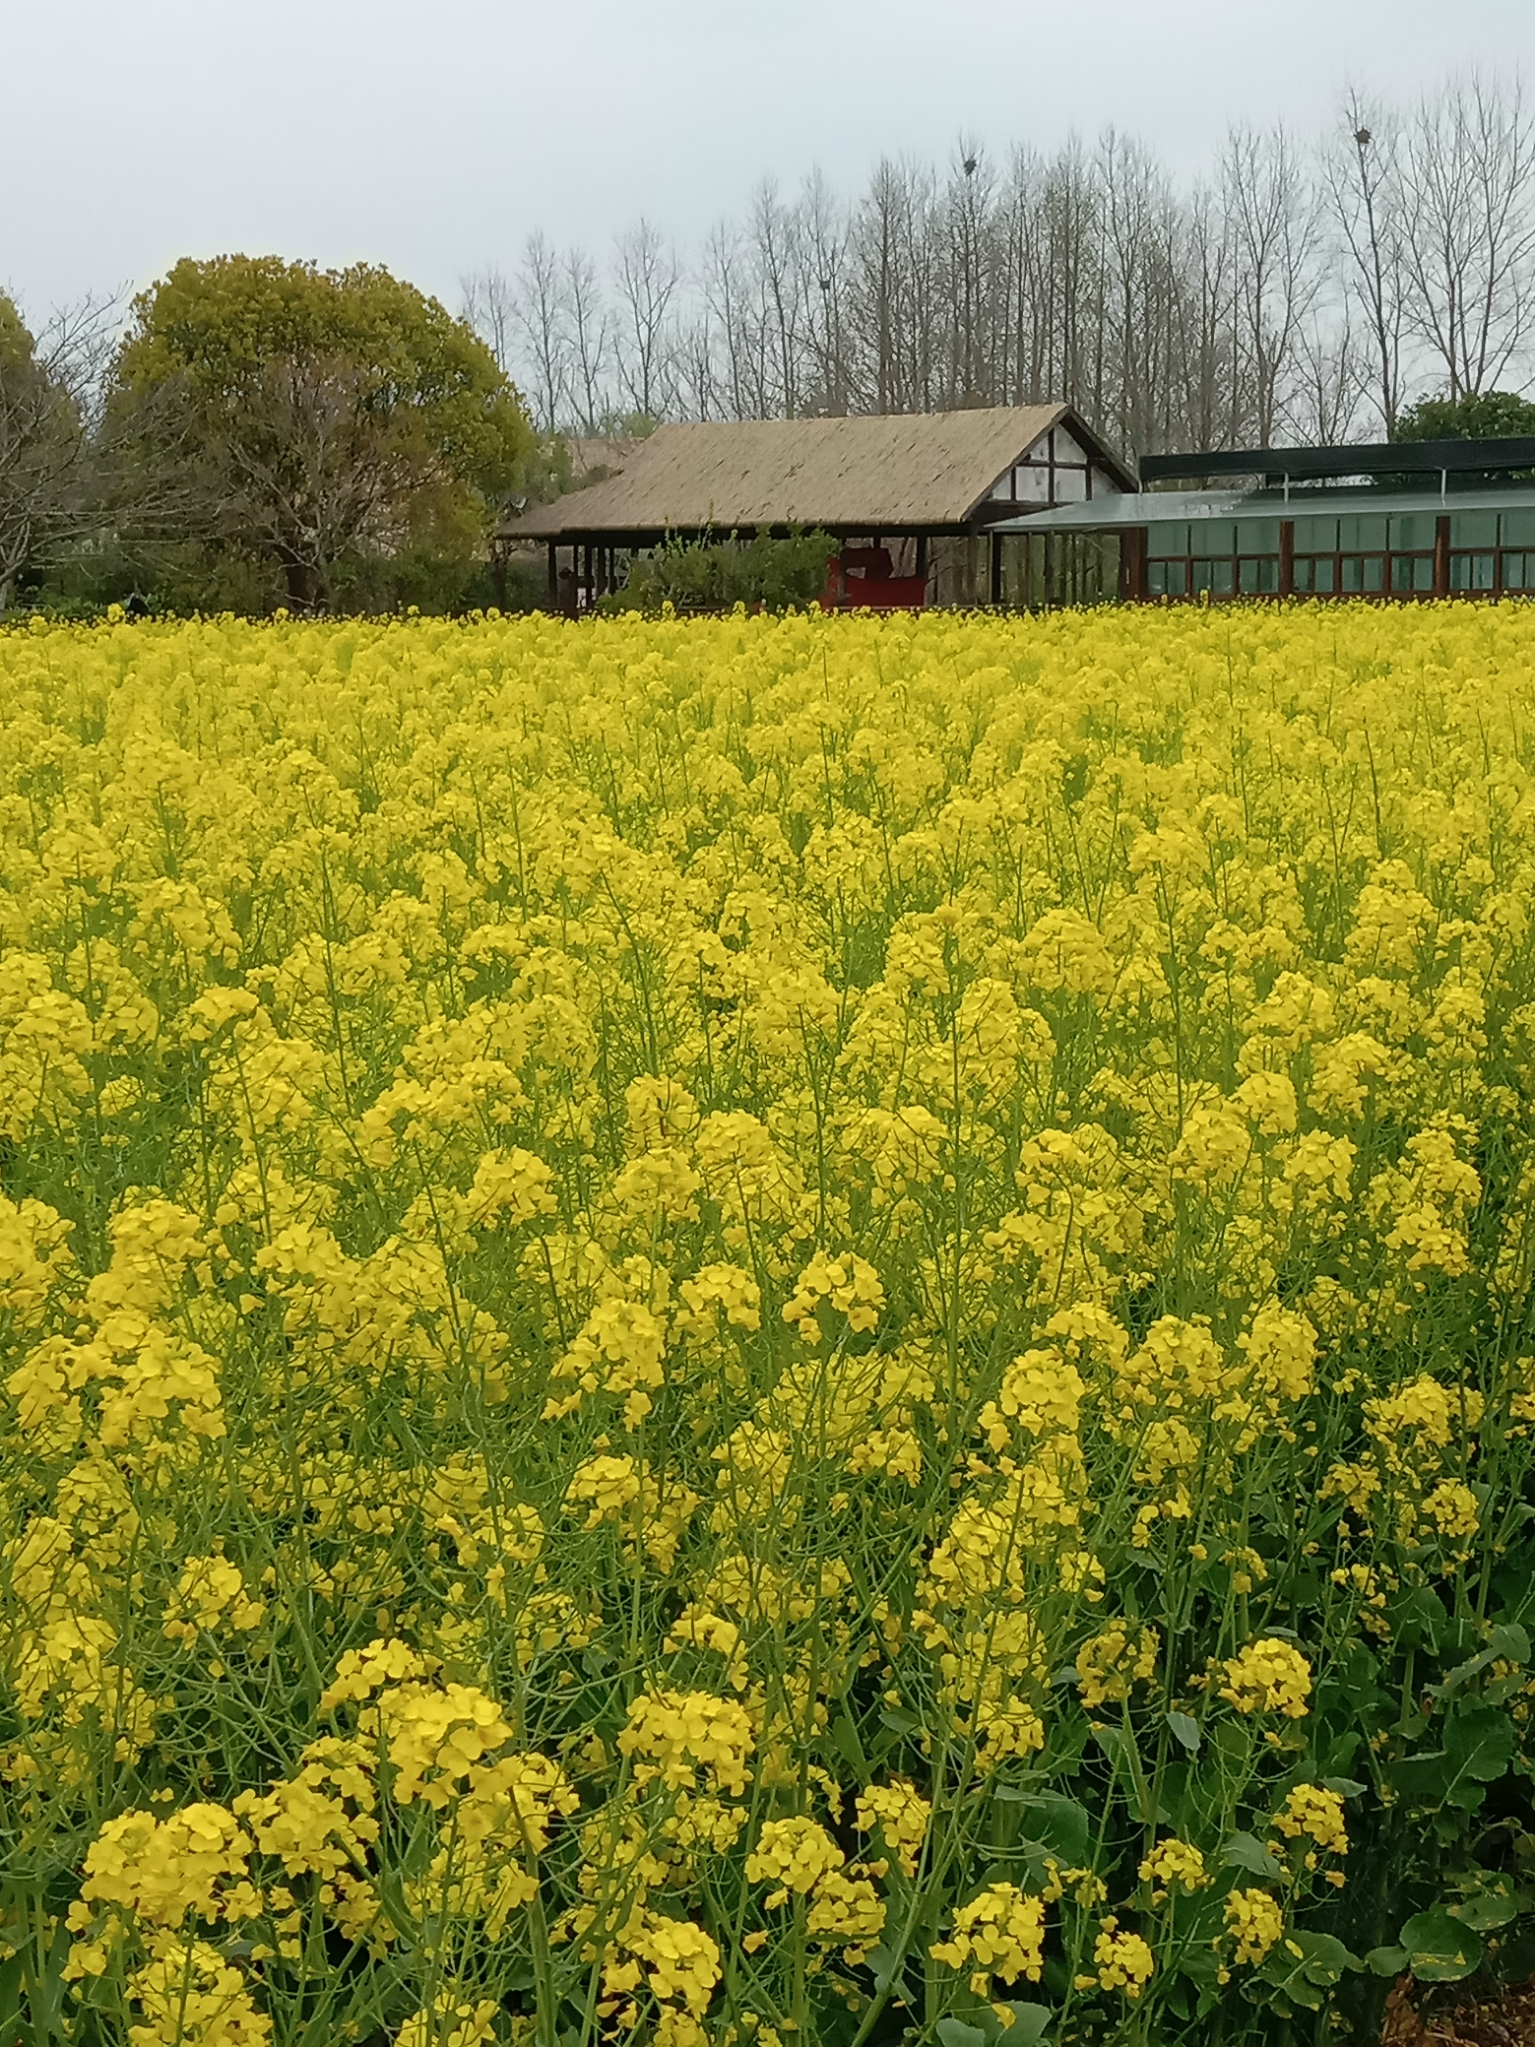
column 1442, row 555
column 554, row 576
column 996, row 568
column 1132, row 564
column 1287, row 557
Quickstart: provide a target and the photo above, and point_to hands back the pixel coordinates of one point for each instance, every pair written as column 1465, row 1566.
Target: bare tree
column 489, row 305
column 1362, row 171
column 1275, row 230
column 826, row 254
column 76, row 470
column 540, row 314
column 1332, row 374
column 1469, row 202
column 589, row 327
column 647, row 278
column 43, row 449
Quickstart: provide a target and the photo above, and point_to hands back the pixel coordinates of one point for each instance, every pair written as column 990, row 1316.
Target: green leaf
column 1185, row 1729
column 1480, row 1743
column 845, row 1734
column 1439, row 1948
column 1345, row 1787
column 1306, row 1977
column 1386, row 1961
column 955, row 2033
column 1506, row 1643
column 1486, row 1903
column 1030, row 2024
column 886, row 1964
column 1063, row 1826
column 1246, row 1851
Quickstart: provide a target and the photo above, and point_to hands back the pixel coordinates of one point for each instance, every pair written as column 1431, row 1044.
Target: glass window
column 1518, row 528
column 1314, row 576
column 1473, row 529
column 1519, row 571
column 1412, row 572
column 1166, row 579
column 1366, row 573
column 1471, row 571
column 1214, row 576
column 1167, row 537
column 1316, row 536
column 1364, row 531
column 1260, row 577
column 1258, row 536
column 1213, row 537
column 1414, row 531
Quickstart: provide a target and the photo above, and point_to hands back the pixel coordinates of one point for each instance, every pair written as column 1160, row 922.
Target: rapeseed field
column 764, row 1332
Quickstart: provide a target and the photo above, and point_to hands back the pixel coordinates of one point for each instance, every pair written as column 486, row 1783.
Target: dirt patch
column 1414, row 2019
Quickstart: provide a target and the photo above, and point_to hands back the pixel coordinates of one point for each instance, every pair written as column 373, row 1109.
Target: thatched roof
column 901, row 471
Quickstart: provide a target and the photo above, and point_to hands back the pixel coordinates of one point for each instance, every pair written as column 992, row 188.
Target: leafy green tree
column 353, row 441
column 1479, row 416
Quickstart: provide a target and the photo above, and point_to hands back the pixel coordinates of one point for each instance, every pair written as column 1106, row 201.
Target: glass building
column 1396, row 520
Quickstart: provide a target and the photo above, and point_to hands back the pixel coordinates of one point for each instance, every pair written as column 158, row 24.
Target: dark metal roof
column 1368, row 458
column 1111, row 514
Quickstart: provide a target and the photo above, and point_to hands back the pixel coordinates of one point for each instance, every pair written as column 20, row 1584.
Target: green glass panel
column 1471, row 571
column 1473, row 529
column 1401, row 572
column 1423, row 572
column 1413, row 531
column 1316, row 536
column 1212, row 537
column 1257, row 536
column 1518, row 528
column 1259, row 577
column 1374, row 572
column 1519, row 571
column 1365, row 531
column 1177, row 579
column 1167, row 537
column 1352, row 577
column 1323, row 571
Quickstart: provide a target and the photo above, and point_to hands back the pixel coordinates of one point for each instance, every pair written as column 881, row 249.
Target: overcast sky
column 434, row 137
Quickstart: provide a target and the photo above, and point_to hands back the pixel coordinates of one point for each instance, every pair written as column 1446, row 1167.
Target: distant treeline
column 1300, row 292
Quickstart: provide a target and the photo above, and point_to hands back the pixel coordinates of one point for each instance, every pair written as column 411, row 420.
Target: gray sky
column 432, row 138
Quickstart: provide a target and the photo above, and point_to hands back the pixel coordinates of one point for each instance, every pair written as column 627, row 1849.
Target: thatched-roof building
column 905, row 479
